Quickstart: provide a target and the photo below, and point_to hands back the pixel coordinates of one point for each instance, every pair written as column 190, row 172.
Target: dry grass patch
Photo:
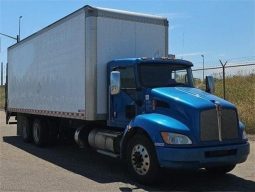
column 240, row 90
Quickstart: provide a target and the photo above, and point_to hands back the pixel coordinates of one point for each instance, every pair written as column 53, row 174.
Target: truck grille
column 210, row 130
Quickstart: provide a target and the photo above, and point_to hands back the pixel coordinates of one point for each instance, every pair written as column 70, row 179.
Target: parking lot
column 65, row 167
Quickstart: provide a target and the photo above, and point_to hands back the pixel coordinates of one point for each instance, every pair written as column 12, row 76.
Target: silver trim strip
column 72, row 115
column 219, row 115
column 125, row 15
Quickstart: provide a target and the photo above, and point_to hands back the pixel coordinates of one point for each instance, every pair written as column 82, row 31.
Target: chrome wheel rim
column 36, row 132
column 140, row 159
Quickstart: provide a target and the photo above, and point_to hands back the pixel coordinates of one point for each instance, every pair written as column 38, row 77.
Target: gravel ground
column 25, row 167
column 251, row 137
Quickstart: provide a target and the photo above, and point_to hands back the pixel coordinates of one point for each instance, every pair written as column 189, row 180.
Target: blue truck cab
column 167, row 123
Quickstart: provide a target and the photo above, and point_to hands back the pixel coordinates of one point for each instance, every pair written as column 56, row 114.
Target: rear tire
column 142, row 161
column 40, row 132
column 25, row 127
column 220, row 170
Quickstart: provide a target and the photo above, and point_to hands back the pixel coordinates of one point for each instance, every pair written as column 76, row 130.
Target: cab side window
column 127, row 78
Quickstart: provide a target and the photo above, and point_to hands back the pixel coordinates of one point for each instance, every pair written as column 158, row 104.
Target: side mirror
column 210, row 86
column 115, row 82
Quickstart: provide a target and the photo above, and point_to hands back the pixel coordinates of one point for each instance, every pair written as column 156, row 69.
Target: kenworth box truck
column 103, row 76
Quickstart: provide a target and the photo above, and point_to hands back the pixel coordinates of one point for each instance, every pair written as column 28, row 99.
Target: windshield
column 165, row 75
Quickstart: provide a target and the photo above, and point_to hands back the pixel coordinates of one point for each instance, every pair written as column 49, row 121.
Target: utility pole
column 2, row 73
column 203, row 67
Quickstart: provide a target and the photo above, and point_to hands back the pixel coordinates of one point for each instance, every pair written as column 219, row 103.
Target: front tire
column 220, row 170
column 142, row 161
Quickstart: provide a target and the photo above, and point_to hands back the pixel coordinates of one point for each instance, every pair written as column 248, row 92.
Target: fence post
column 223, row 71
column 2, row 74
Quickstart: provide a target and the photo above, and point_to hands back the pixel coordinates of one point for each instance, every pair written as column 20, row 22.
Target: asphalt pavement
column 65, row 167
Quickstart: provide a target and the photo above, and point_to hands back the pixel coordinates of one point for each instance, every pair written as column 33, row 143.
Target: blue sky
column 218, row 29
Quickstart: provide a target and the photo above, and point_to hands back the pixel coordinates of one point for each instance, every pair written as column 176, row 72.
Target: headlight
column 175, row 138
column 244, row 135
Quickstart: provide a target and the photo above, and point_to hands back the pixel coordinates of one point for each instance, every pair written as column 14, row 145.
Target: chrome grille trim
column 218, row 125
column 219, row 115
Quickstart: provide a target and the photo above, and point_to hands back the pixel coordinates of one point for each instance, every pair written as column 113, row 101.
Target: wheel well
column 130, row 134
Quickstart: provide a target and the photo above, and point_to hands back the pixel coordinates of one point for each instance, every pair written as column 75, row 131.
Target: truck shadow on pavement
column 103, row 169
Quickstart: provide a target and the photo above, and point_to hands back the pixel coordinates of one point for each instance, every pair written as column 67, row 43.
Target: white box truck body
column 61, row 70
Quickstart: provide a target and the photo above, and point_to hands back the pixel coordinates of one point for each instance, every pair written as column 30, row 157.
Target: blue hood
column 193, row 97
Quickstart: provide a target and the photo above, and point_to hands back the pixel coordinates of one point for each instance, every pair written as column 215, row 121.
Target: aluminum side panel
column 47, row 72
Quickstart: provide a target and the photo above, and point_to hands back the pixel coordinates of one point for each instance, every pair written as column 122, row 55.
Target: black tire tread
column 24, row 123
column 43, row 130
column 153, row 175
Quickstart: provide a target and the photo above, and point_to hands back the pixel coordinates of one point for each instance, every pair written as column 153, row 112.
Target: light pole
column 19, row 28
column 203, row 67
column 18, row 36
column 15, row 38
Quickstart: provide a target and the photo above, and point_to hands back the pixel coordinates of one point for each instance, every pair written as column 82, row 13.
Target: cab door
column 123, row 107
